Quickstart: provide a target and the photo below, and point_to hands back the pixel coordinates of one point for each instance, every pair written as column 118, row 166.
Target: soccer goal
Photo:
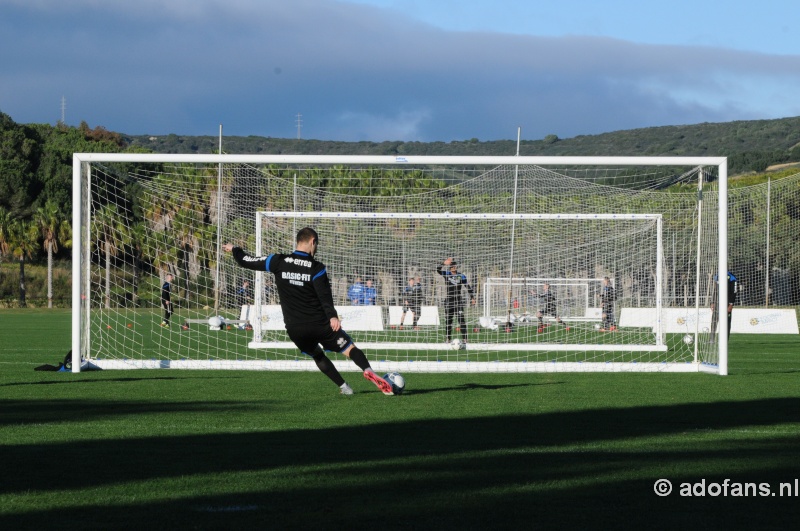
column 653, row 227
column 518, row 300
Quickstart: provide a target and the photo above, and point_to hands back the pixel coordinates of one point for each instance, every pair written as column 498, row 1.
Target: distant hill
column 750, row 146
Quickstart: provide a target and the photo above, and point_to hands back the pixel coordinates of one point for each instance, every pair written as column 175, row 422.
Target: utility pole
column 63, row 109
column 299, row 124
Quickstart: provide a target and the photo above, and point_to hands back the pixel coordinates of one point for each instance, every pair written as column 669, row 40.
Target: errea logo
column 289, row 260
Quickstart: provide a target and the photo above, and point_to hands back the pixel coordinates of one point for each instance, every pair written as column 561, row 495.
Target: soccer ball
column 397, row 382
column 688, row 339
column 457, row 344
column 216, row 322
column 597, row 327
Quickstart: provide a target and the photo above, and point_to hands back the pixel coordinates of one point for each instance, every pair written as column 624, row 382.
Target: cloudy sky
column 426, row 70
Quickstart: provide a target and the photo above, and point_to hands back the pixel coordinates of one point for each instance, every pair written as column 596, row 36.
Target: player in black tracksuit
column 310, row 317
column 412, row 301
column 453, row 302
column 607, row 298
column 547, row 300
column 166, row 300
column 732, row 290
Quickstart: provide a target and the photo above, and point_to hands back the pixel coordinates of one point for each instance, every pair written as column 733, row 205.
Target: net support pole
column 659, row 282
column 513, row 228
column 766, row 252
column 697, row 263
column 723, row 267
column 77, row 284
column 219, row 228
column 260, row 279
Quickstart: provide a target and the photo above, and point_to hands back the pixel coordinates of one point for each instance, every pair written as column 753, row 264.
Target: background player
column 732, row 289
column 453, row 302
column 547, row 301
column 306, row 300
column 607, row 298
column 412, row 302
column 166, row 300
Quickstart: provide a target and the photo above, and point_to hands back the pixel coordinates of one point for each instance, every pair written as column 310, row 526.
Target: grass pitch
column 163, row 449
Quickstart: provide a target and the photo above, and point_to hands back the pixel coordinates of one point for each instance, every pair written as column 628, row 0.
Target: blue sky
column 411, row 70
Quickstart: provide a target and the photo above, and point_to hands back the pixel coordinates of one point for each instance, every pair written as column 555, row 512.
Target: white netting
column 152, row 220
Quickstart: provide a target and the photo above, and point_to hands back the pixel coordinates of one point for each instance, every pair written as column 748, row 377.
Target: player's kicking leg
column 358, row 357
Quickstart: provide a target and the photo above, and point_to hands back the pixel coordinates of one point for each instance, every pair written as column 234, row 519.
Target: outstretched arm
column 256, row 263
column 442, row 269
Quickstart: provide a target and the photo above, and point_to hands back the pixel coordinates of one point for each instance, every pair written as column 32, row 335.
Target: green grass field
column 260, row 450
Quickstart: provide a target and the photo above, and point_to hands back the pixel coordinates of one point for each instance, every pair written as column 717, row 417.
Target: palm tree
column 23, row 241
column 187, row 227
column 110, row 233
column 50, row 223
column 138, row 235
column 5, row 227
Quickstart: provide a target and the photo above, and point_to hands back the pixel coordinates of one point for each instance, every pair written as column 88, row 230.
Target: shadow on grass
column 79, row 382
column 104, row 380
column 475, row 386
column 20, row 412
column 574, row 469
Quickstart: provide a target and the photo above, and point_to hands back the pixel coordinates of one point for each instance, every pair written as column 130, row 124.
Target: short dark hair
column 307, row 234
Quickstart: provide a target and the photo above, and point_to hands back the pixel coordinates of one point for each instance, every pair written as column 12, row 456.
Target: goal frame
column 527, row 281
column 81, row 189
column 659, row 346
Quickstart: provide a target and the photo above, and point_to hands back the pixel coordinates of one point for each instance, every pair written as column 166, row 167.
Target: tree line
column 751, row 146
column 36, row 189
column 36, row 165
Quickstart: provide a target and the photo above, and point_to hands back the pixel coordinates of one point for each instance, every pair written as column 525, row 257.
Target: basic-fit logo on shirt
column 295, row 278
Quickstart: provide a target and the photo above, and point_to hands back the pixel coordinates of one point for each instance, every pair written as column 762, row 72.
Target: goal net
column 575, row 264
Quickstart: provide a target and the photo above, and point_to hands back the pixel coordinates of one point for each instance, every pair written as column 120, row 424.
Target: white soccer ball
column 688, row 339
column 397, row 382
column 216, row 322
column 456, row 344
column 597, row 327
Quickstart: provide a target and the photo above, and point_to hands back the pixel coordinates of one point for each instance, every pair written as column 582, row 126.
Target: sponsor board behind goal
column 687, row 320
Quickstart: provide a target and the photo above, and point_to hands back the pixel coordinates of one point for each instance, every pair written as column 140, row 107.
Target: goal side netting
column 541, row 242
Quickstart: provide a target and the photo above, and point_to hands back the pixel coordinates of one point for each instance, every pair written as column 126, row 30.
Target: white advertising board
column 429, row 315
column 683, row 320
column 352, row 317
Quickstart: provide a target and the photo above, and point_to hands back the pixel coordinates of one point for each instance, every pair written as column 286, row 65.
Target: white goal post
column 511, row 223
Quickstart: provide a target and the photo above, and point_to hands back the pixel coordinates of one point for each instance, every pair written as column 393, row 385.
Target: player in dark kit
column 547, row 300
column 453, row 302
column 607, row 298
column 166, row 301
column 732, row 290
column 310, row 317
column 412, row 302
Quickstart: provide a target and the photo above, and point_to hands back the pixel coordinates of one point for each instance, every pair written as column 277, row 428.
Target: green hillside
column 749, row 145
